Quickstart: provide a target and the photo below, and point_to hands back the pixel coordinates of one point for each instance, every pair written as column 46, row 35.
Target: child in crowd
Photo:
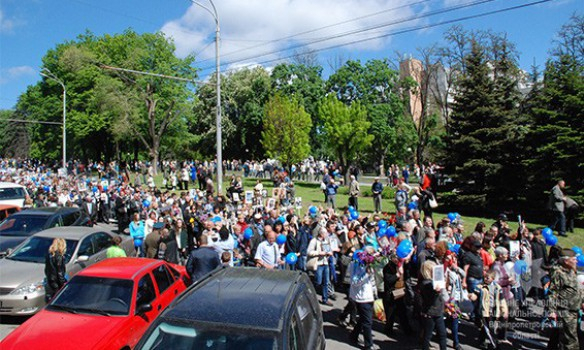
column 493, row 312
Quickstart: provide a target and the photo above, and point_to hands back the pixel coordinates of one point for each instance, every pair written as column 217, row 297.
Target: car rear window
column 180, row 336
column 12, row 193
column 23, row 223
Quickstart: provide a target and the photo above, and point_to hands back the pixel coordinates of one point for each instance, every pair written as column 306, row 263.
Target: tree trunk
column 155, row 153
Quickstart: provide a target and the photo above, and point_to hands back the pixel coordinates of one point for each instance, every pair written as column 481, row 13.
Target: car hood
column 15, row 273
column 8, row 241
column 63, row 331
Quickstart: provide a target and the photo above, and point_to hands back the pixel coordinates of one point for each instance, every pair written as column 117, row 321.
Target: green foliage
column 304, row 82
column 345, row 128
column 286, row 130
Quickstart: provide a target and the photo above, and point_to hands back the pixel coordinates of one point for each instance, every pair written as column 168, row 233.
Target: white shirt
column 267, row 253
column 362, row 284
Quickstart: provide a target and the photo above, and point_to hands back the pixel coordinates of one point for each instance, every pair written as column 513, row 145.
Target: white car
column 12, row 194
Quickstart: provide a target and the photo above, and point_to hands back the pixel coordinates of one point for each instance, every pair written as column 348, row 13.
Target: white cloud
column 12, row 73
column 7, row 25
column 259, row 23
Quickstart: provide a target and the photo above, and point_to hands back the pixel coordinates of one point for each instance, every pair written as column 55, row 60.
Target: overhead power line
column 362, row 30
column 264, row 43
column 460, row 19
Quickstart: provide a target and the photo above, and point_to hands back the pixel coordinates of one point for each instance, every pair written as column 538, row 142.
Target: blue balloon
column 450, row 246
column 33, row 179
column 455, row 249
column 94, row 189
column 390, row 231
column 146, row 203
column 354, row 215
column 351, row 208
column 247, row 233
column 412, row 206
column 546, row 232
column 381, row 232
column 382, row 224
column 138, row 242
column 105, row 188
column 291, row 258
column 46, row 188
column 577, row 250
column 312, row 209
column 404, row 249
column 216, row 219
column 282, row 219
column 551, row 240
column 451, row 216
column 520, row 267
column 281, row 239
column 581, row 260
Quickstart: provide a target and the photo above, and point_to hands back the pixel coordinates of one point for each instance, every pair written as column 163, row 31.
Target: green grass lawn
column 311, row 194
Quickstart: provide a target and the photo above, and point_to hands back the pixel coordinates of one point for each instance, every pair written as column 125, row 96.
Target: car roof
column 68, row 232
column 122, row 268
column 250, row 297
column 10, row 185
column 47, row 211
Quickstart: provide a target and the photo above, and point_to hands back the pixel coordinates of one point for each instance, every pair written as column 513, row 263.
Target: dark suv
column 18, row 226
column 243, row 309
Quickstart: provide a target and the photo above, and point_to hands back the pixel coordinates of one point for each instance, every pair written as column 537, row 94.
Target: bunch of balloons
column 453, row 216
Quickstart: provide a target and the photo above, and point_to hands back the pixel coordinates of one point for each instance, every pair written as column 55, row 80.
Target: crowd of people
column 406, row 267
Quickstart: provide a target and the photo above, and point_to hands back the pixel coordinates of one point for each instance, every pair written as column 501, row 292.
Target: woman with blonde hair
column 55, row 268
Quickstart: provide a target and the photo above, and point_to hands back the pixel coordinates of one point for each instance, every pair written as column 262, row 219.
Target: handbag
column 312, row 264
column 433, row 203
column 398, row 293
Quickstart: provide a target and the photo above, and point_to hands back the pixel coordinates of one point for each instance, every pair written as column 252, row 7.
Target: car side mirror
column 82, row 258
column 144, row 308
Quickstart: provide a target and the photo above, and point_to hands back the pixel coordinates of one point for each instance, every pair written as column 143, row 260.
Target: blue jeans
column 322, row 277
column 472, row 284
column 301, row 263
column 454, row 329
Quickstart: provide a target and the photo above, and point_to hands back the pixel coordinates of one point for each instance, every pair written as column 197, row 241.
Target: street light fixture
column 213, row 12
column 45, row 72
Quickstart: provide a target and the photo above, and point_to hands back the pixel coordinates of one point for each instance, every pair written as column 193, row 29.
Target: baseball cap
column 158, row 225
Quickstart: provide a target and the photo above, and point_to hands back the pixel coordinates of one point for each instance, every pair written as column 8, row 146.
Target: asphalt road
column 337, row 336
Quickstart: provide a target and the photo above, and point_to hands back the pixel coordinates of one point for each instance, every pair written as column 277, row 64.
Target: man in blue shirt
column 202, row 260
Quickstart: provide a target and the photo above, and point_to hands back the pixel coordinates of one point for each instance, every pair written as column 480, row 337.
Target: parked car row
column 138, row 303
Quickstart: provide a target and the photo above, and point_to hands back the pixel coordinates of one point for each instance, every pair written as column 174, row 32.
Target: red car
column 108, row 305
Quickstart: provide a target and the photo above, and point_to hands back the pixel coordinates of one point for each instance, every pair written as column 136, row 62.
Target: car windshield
column 188, row 337
column 96, row 295
column 35, row 250
column 12, row 193
column 23, row 224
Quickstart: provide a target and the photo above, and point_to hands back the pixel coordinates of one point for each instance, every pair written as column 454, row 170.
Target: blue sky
column 28, row 28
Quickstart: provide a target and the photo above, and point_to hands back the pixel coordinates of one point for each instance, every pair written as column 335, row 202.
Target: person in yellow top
column 115, row 251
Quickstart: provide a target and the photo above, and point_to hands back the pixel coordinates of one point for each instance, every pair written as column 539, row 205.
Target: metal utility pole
column 213, row 12
column 45, row 72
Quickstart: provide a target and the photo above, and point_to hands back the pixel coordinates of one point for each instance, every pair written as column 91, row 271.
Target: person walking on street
column 363, row 292
column 202, row 260
column 115, row 251
column 55, row 268
column 566, row 299
column 354, row 192
column 377, row 189
column 557, row 206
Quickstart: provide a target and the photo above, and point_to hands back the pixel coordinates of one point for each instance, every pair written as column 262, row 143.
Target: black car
column 18, row 226
column 243, row 309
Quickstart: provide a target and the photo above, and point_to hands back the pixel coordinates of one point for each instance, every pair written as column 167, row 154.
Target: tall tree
column 305, row 82
column 286, row 130
column 346, row 130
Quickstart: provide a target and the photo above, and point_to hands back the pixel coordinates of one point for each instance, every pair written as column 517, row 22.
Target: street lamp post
column 49, row 75
column 213, row 12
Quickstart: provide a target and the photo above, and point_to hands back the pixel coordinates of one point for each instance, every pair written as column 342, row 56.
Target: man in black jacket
column 202, row 260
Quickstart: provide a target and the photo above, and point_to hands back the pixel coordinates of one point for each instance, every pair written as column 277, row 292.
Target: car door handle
column 175, row 292
column 159, row 307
